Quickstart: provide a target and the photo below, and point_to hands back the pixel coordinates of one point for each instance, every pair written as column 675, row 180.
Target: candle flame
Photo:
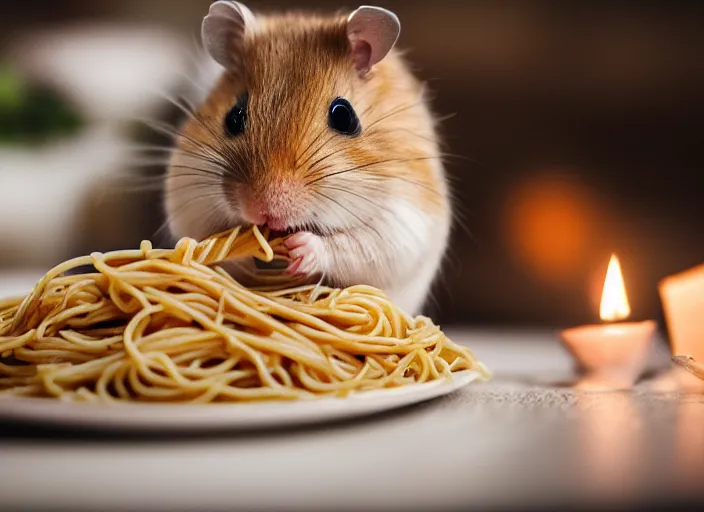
column 614, row 302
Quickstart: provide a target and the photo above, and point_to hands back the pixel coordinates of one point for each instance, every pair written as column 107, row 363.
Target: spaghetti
column 171, row 325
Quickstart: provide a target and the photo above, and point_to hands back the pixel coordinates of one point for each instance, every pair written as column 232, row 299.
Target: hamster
column 317, row 128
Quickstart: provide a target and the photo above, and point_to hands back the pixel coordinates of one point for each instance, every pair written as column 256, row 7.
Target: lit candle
column 611, row 355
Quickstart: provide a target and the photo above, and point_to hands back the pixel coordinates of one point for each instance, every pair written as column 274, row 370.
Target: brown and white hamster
column 317, row 127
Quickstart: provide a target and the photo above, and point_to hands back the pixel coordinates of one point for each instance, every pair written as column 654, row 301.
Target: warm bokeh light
column 549, row 228
column 614, row 301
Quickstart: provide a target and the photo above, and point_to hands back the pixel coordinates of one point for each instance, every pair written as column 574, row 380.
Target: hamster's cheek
column 195, row 203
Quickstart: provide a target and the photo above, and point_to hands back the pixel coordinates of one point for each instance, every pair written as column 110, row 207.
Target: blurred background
column 580, row 127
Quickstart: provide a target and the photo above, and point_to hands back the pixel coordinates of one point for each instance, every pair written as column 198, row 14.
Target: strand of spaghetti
column 9, row 343
column 33, row 297
column 232, row 340
column 48, row 375
column 313, row 324
column 375, row 344
column 252, row 313
column 75, row 311
column 251, row 340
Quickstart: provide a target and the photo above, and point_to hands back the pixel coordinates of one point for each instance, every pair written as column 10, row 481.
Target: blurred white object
column 19, row 283
column 111, row 72
column 42, row 191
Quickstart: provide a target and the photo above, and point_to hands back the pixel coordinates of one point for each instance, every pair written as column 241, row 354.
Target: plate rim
column 121, row 416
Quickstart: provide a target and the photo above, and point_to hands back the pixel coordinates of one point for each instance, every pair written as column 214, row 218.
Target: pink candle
column 682, row 297
column 613, row 354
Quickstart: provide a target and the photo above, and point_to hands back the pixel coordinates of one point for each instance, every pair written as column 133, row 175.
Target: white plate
column 177, row 417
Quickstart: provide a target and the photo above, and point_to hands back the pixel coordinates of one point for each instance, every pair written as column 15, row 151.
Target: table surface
column 523, row 439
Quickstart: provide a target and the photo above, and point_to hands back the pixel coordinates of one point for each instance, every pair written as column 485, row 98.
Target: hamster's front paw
column 307, row 252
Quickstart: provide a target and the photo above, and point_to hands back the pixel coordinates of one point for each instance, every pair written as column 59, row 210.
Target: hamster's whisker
column 362, row 221
column 221, row 164
column 394, row 112
column 416, row 183
column 191, row 186
column 170, row 131
column 352, row 169
column 136, row 188
column 374, row 183
column 162, row 128
column 311, row 116
column 460, row 212
column 209, row 180
column 391, row 237
column 151, row 183
column 229, row 156
column 226, row 163
column 212, row 172
column 315, row 225
column 460, row 221
column 371, row 164
column 318, row 172
column 378, row 130
column 446, row 117
column 197, row 55
column 169, row 150
column 193, row 175
column 166, row 129
column 187, row 108
column 327, row 209
column 339, row 189
column 316, row 149
column 164, row 162
column 160, row 186
column 320, row 160
column 147, row 162
column 193, row 83
column 367, row 110
column 185, row 205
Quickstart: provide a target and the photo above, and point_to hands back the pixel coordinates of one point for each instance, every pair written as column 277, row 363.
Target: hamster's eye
column 343, row 119
column 236, row 119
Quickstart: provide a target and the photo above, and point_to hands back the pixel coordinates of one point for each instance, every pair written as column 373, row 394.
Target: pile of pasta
column 170, row 325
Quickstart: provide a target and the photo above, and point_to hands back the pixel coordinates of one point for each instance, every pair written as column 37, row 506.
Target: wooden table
column 522, row 440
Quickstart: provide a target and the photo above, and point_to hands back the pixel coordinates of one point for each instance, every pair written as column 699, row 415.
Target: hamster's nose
column 257, row 213
column 254, row 213
column 275, row 207
column 255, row 216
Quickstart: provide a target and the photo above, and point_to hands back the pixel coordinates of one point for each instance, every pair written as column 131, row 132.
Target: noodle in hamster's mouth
column 277, row 264
column 283, row 234
column 275, row 233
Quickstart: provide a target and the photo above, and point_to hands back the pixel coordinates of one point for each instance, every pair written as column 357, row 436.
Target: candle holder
column 609, row 357
column 612, row 355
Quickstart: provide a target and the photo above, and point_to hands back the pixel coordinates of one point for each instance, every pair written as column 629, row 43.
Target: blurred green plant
column 32, row 113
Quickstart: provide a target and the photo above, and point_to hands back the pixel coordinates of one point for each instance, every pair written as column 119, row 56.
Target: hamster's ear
column 223, row 32
column 372, row 32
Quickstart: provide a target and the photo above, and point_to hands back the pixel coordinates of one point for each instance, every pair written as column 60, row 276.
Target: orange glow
column 614, row 301
column 549, row 231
